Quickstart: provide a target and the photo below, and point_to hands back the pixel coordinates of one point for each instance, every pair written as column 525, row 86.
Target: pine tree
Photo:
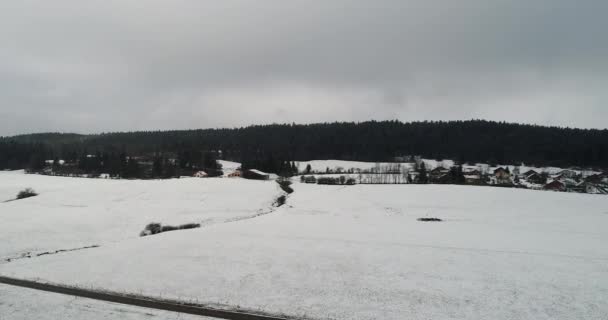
column 423, row 177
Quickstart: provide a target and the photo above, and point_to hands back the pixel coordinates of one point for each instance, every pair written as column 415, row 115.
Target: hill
column 472, row 141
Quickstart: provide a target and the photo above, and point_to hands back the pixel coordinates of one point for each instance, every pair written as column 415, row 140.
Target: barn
column 255, row 174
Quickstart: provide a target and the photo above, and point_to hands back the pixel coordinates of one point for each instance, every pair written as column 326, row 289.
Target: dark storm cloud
column 123, row 65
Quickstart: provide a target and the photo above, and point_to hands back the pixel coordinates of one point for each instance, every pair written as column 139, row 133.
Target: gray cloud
column 93, row 66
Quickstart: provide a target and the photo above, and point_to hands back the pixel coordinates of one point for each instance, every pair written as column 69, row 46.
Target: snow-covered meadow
column 26, row 304
column 71, row 213
column 332, row 252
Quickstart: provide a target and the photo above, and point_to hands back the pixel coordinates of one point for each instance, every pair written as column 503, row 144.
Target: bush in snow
column 327, row 180
column 168, row 228
column 151, row 228
column 429, row 219
column 310, row 179
column 26, row 193
column 281, row 200
column 155, row 228
column 285, row 185
column 189, row 226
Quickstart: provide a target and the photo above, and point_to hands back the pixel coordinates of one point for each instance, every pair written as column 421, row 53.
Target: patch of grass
column 26, row 193
column 429, row 219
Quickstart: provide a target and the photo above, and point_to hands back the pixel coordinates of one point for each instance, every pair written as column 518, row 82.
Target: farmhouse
column 555, row 185
column 596, row 178
column 438, row 174
column 570, row 174
column 472, row 172
column 201, row 174
column 255, row 175
column 595, row 188
column 235, row 174
column 503, row 176
column 472, row 178
column 535, row 178
column 529, row 172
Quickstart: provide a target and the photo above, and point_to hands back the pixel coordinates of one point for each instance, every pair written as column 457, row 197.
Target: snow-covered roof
column 256, row 171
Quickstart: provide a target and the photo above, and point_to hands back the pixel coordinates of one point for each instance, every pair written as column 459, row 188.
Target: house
column 235, row 174
column 596, row 178
column 573, row 185
column 255, row 175
column 595, row 188
column 201, row 174
column 529, row 172
column 516, row 171
column 437, row 173
column 570, row 174
column 444, row 178
column 471, row 172
column 555, row 185
column 472, row 178
column 503, row 176
column 535, row 178
column 502, row 173
column 413, row 176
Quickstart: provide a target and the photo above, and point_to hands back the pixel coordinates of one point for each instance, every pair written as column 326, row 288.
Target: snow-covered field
column 332, row 252
column 77, row 212
column 26, row 304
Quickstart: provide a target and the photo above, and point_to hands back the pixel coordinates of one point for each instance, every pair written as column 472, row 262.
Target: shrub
column 281, row 200
column 429, row 219
column 154, row 228
column 151, row 228
column 26, row 193
column 310, row 179
column 327, row 180
column 189, row 226
column 285, row 185
column 168, row 228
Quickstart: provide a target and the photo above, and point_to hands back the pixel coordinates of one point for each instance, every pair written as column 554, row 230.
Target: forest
column 271, row 147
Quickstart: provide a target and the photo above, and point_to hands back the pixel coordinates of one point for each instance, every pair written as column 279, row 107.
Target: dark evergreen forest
column 263, row 146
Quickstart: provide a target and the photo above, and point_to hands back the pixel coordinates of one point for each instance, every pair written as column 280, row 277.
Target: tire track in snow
column 29, row 255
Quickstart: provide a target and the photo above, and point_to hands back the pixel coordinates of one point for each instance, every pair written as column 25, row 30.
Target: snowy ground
column 26, row 304
column 77, row 212
column 358, row 252
column 229, row 167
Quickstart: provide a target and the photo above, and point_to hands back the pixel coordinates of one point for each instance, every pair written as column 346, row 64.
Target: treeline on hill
column 272, row 147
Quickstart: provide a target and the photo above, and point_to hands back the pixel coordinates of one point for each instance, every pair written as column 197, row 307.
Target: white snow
column 26, row 304
column 76, row 212
column 350, row 252
column 229, row 167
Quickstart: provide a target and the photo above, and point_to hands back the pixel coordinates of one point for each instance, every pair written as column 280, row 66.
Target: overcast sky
column 92, row 66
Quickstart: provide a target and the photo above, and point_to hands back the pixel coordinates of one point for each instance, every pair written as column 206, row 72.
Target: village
column 446, row 172
column 414, row 170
